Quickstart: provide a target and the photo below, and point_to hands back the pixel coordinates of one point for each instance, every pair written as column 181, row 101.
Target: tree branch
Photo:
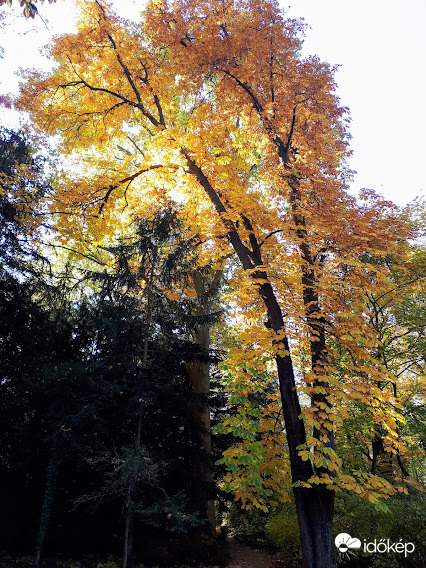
column 240, row 248
column 128, row 180
column 270, row 235
column 256, row 103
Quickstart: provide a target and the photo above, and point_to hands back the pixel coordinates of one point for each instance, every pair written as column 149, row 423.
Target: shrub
column 247, row 526
column 282, row 532
column 405, row 521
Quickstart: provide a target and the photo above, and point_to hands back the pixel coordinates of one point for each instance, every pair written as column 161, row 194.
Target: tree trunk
column 314, row 505
column 128, row 534
column 199, row 374
column 201, row 443
column 49, row 496
column 382, row 462
column 129, row 530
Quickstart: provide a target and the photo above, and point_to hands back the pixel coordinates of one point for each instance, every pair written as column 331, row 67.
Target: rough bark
column 315, row 507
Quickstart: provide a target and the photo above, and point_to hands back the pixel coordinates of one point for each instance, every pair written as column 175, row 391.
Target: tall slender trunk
column 382, row 462
column 129, row 530
column 198, row 371
column 130, row 514
column 314, row 505
column 315, row 508
column 201, row 451
column 49, row 497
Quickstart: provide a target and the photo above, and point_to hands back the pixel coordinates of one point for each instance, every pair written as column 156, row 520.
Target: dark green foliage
column 75, row 377
column 20, row 196
column 247, row 526
column 149, row 331
column 76, row 410
column 405, row 521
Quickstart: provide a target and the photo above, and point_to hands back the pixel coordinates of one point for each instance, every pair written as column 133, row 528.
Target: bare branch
column 88, row 256
column 136, row 145
column 290, row 135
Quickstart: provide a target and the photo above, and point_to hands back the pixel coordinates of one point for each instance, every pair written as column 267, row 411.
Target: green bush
column 7, row 561
column 278, row 528
column 282, row 532
column 405, row 521
column 89, row 561
column 282, row 529
column 247, row 526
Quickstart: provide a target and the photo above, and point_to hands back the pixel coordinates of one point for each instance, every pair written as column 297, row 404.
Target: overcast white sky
column 379, row 44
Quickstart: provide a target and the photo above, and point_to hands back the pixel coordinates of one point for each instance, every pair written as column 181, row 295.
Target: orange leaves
column 215, row 95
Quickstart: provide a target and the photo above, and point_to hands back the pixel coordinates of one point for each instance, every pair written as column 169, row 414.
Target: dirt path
column 245, row 557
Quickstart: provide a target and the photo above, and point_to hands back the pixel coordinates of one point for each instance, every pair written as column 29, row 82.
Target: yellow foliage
column 208, row 104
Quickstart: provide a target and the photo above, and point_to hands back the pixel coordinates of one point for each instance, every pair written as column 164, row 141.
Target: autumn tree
column 213, row 101
column 398, row 316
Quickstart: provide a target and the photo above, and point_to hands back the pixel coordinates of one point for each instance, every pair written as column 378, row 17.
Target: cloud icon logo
column 344, row 542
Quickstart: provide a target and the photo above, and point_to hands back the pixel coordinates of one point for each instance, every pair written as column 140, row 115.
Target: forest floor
column 242, row 556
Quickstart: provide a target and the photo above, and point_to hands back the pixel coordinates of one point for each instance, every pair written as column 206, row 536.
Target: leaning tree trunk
column 314, row 505
column 316, row 527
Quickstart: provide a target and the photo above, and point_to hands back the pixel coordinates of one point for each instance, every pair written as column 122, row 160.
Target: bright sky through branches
column 379, row 44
